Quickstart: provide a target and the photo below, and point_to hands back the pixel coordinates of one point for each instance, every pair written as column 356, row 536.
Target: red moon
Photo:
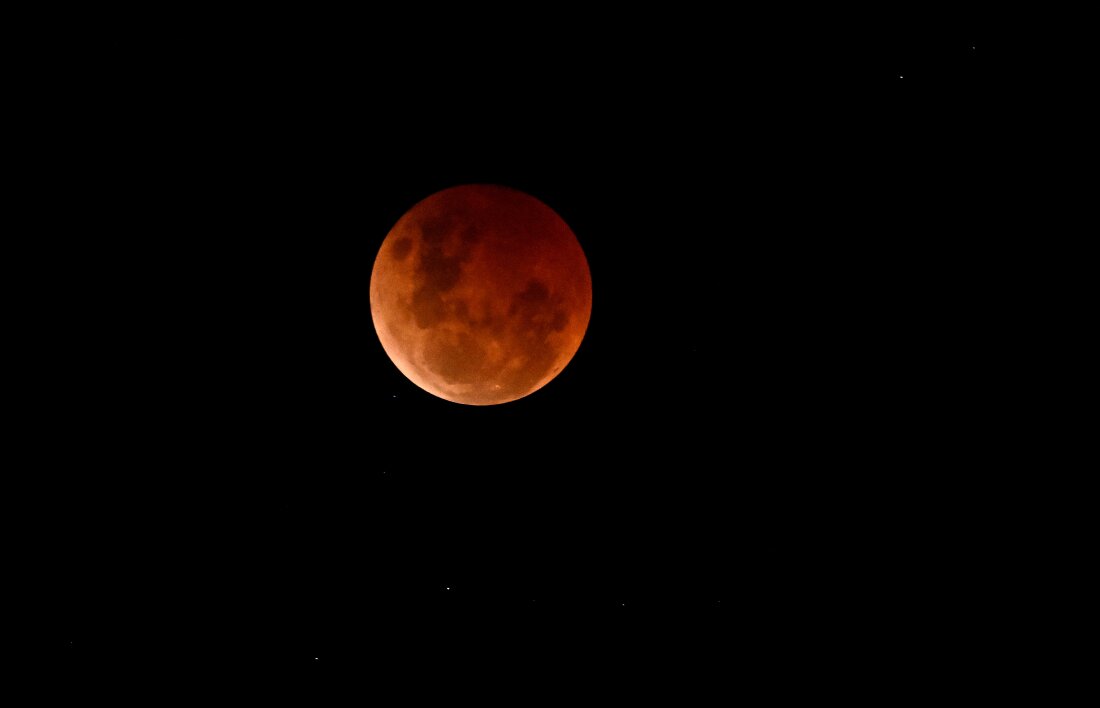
column 480, row 294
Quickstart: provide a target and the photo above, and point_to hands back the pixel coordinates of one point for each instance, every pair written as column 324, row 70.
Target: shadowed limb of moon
column 480, row 294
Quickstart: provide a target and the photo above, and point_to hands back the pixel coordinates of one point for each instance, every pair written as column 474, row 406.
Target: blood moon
column 480, row 294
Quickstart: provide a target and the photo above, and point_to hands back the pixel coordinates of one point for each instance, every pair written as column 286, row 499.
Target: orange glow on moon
column 480, row 294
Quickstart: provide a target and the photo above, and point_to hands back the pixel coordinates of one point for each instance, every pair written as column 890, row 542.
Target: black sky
column 784, row 226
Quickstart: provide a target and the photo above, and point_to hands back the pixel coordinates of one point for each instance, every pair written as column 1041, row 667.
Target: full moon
column 480, row 294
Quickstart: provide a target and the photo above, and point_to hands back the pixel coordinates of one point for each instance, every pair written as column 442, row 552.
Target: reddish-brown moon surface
column 480, row 294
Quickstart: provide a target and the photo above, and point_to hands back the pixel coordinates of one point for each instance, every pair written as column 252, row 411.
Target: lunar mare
column 480, row 294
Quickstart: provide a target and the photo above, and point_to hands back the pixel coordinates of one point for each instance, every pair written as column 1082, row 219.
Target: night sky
column 743, row 465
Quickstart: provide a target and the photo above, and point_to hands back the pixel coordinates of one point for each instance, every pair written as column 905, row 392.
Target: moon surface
column 480, row 294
